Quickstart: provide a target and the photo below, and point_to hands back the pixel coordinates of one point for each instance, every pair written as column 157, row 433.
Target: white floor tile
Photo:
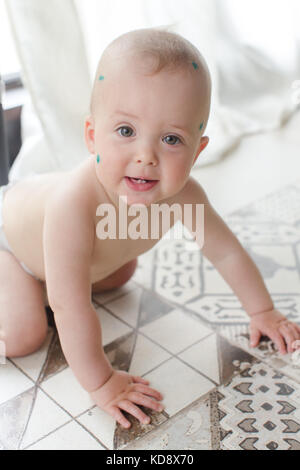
column 179, row 384
column 12, row 382
column 100, row 424
column 112, row 328
column 127, row 307
column 65, row 389
column 203, row 356
column 147, row 355
column 69, row 437
column 46, row 416
column 175, row 331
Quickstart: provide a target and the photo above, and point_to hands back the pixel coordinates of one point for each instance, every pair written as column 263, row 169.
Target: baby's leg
column 23, row 321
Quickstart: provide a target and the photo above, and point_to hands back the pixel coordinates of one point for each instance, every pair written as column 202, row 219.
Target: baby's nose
column 147, row 159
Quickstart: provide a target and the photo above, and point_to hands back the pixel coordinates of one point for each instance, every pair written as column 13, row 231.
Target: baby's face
column 146, row 127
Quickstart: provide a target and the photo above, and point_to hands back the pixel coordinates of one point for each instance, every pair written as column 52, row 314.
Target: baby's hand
column 274, row 325
column 121, row 392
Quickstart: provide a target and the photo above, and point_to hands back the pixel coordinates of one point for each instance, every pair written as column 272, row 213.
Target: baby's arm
column 226, row 253
column 68, row 245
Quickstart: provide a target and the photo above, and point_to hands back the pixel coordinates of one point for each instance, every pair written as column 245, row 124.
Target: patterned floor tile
column 259, row 409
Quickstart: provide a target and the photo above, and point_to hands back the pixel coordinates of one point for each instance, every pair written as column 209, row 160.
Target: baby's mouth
column 140, row 184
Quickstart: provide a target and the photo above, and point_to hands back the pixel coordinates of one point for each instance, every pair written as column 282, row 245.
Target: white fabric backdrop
column 253, row 54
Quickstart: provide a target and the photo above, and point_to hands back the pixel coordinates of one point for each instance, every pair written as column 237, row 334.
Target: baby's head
column 149, row 108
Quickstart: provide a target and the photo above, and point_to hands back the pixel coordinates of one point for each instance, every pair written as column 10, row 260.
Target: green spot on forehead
column 195, row 65
column 98, row 158
column 201, row 125
column 101, row 77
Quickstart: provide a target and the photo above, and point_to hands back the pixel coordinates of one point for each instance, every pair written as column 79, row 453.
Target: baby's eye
column 126, row 133
column 170, row 137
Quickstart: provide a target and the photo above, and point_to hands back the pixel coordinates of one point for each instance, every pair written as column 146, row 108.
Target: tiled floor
column 178, row 324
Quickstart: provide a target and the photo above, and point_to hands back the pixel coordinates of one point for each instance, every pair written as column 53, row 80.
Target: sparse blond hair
column 166, row 49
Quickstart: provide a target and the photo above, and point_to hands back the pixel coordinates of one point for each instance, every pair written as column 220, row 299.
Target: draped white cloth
column 252, row 48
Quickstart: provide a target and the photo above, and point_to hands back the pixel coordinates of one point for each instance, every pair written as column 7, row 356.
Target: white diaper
column 3, row 240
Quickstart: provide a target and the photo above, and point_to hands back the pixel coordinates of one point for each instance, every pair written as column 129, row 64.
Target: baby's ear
column 203, row 143
column 89, row 134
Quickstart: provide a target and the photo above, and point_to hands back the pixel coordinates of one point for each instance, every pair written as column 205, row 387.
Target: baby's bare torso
column 24, row 209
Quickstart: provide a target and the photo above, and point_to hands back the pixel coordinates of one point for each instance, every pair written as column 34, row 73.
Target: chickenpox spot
column 195, row 65
column 101, row 77
column 98, row 158
column 201, row 125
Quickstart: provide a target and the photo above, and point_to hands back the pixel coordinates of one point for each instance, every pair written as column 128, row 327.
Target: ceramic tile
column 100, row 424
column 65, row 389
column 32, row 364
column 55, row 361
column 146, row 356
column 12, row 381
column 71, row 436
column 111, row 434
column 266, row 350
column 177, row 275
column 14, row 415
column 259, row 409
column 144, row 271
column 112, row 328
column 218, row 309
column 223, row 358
column 175, row 331
column 45, row 417
column 179, row 384
column 188, row 430
column 127, row 307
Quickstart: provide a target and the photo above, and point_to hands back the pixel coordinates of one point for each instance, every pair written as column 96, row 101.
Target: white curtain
column 252, row 49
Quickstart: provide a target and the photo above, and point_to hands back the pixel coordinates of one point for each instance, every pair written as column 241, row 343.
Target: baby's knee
column 23, row 341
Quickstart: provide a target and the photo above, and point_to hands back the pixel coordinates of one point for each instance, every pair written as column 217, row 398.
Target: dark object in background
column 4, row 158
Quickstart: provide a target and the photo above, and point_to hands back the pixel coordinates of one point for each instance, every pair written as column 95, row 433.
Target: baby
column 149, row 110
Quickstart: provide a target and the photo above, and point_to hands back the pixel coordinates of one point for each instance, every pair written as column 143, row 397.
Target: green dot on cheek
column 98, row 158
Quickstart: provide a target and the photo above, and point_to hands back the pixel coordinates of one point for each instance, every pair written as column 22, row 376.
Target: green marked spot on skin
column 201, row 125
column 98, row 158
column 101, row 77
column 195, row 65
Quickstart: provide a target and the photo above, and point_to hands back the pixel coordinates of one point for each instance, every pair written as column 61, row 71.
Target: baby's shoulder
column 191, row 193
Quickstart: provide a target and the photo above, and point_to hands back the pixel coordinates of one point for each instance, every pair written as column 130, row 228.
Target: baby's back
column 23, row 216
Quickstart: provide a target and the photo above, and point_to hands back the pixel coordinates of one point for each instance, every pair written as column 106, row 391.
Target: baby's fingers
column 137, row 379
column 141, row 399
column 118, row 416
column 278, row 340
column 148, row 391
column 289, row 335
column 134, row 410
